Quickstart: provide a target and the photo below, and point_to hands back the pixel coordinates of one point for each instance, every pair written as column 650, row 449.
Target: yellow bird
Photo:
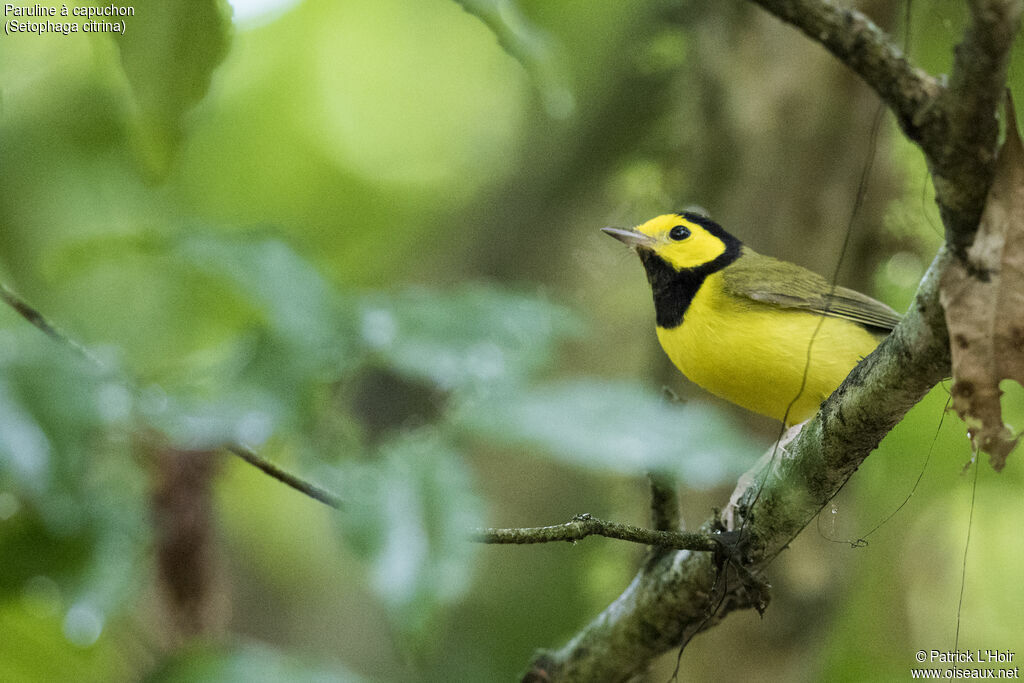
column 740, row 324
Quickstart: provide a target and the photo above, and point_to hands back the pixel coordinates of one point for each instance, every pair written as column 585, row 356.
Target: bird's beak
column 630, row 238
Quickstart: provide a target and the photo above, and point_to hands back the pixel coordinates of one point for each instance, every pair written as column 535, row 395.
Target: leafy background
column 362, row 238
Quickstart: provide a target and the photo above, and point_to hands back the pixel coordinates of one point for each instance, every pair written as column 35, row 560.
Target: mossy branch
column 585, row 525
column 858, row 43
column 676, row 594
column 955, row 125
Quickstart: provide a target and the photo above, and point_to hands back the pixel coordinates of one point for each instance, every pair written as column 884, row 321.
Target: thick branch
column 955, row 126
column 857, row 42
column 676, row 593
column 852, row 422
column 585, row 525
column 963, row 166
column 671, row 596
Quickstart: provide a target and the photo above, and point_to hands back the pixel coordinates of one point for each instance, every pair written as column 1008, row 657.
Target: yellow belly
column 754, row 354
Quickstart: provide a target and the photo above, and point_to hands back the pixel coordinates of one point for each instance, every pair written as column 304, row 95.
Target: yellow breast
column 755, row 354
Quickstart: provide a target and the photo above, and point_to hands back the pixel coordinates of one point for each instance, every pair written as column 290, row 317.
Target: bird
column 741, row 324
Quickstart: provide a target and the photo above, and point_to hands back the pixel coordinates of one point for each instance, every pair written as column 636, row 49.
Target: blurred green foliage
column 616, row 426
column 247, row 662
column 169, row 53
column 360, row 237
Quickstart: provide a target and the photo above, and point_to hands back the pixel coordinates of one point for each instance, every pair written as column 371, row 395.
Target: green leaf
column 245, row 663
column 614, row 426
column 298, row 337
column 532, row 47
column 470, row 338
column 240, row 413
column 169, row 51
column 408, row 514
column 287, row 291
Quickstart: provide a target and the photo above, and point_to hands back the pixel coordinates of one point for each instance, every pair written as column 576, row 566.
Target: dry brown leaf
column 984, row 303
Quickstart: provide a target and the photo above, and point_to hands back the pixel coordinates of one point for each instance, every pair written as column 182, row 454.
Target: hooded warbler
column 740, row 324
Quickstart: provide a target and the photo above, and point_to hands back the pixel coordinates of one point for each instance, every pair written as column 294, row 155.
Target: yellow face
column 681, row 242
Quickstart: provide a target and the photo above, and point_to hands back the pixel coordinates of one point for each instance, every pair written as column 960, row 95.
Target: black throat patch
column 674, row 289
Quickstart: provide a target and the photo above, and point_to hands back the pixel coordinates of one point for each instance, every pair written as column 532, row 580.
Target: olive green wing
column 771, row 281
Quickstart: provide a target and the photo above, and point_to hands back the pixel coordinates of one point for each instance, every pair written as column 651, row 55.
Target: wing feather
column 771, row 281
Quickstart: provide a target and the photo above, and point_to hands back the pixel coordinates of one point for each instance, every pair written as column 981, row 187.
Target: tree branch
column 287, row 478
column 585, row 525
column 955, row 126
column 857, row 42
column 39, row 321
column 964, row 164
column 676, row 594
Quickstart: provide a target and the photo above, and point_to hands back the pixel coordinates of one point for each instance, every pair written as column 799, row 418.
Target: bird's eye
column 679, row 233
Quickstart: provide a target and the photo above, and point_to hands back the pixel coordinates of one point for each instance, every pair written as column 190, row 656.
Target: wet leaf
column 984, row 302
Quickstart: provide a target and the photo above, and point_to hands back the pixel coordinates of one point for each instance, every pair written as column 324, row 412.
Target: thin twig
column 857, row 42
column 955, row 126
column 585, row 525
column 287, row 478
column 39, row 321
